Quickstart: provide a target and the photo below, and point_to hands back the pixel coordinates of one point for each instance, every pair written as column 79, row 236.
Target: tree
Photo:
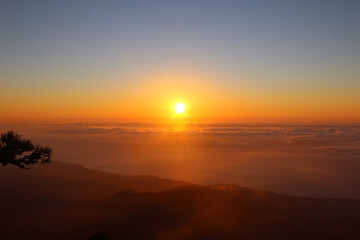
column 20, row 152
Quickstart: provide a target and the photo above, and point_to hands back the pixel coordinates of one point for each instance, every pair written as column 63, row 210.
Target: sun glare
column 179, row 108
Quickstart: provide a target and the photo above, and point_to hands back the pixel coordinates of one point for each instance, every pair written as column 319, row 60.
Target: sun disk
column 179, row 108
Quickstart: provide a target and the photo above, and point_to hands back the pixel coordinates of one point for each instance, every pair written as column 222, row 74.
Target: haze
column 191, row 119
column 300, row 159
column 226, row 60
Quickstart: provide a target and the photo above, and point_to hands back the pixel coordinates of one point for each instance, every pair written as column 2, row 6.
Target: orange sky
column 152, row 98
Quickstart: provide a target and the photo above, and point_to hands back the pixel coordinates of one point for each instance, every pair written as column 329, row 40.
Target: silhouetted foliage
column 100, row 236
column 20, row 152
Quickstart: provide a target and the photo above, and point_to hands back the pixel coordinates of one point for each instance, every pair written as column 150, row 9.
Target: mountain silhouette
column 66, row 201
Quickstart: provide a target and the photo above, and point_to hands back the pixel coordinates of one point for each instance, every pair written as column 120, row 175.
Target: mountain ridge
column 65, row 201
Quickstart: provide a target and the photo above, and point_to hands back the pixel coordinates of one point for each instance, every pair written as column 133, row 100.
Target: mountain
column 227, row 212
column 73, row 184
column 64, row 201
column 35, row 202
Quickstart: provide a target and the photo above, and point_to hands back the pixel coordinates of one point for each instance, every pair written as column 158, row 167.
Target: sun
column 179, row 108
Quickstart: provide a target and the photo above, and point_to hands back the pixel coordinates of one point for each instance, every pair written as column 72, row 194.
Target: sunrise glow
column 180, row 120
column 179, row 108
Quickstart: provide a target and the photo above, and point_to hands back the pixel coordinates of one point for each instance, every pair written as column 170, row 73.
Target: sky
column 225, row 60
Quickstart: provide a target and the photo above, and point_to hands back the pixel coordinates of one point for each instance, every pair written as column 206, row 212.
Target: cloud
column 86, row 130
